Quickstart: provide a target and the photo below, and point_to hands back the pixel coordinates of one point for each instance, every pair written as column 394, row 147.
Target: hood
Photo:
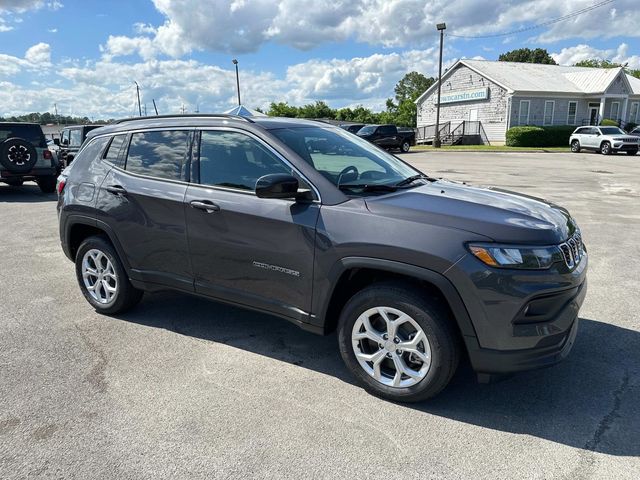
column 503, row 216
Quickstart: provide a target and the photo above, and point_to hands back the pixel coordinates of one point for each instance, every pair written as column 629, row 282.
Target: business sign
column 465, row 95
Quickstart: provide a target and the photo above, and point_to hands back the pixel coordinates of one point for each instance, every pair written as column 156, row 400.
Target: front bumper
column 553, row 346
column 625, row 147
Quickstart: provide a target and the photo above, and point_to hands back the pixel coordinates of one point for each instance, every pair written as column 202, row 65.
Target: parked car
column 388, row 136
column 413, row 272
column 353, row 127
column 605, row 140
column 24, row 156
column 71, row 139
column 635, row 132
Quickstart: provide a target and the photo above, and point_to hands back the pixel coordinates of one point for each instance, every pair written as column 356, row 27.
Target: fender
column 75, row 219
column 447, row 289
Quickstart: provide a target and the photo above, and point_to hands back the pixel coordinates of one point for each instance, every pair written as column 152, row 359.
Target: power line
column 538, row 25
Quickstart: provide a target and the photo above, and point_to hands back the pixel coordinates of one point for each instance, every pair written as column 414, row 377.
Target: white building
column 501, row 95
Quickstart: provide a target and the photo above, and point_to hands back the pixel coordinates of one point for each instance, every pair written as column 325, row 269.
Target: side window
column 75, row 138
column 111, row 154
column 386, row 130
column 65, row 137
column 91, row 150
column 158, row 154
column 235, row 160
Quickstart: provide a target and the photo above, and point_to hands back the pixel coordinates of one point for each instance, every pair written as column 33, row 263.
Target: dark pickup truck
column 388, row 136
column 71, row 139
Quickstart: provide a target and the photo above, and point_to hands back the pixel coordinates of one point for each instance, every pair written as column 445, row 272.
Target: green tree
column 411, row 86
column 526, row 55
column 604, row 63
column 282, row 109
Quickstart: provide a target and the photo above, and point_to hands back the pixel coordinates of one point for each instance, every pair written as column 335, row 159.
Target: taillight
column 60, row 186
column 47, row 154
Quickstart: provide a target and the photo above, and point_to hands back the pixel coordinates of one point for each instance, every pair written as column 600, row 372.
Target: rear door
column 388, row 136
column 253, row 251
column 143, row 203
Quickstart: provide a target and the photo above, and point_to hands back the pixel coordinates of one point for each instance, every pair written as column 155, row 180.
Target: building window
column 615, row 110
column 523, row 113
column 572, row 111
column 633, row 117
column 549, row 106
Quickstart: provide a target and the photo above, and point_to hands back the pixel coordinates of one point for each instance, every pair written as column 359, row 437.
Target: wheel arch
column 352, row 274
column 78, row 228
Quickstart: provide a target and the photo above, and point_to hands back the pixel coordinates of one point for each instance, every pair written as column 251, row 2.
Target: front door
column 473, row 115
column 244, row 249
column 593, row 115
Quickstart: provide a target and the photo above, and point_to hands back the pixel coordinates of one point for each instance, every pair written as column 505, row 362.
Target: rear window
column 31, row 133
column 158, row 154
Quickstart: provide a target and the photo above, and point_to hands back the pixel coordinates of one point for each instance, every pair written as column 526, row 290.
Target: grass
column 493, row 148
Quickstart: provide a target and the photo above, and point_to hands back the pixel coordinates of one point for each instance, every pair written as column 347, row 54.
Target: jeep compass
column 311, row 223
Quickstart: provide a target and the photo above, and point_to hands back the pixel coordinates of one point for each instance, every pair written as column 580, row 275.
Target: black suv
column 24, row 156
column 71, row 139
column 412, row 271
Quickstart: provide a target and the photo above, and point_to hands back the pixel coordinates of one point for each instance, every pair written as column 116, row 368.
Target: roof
column 243, row 111
column 535, row 77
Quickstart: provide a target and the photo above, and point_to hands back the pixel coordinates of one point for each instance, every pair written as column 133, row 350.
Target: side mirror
column 277, row 185
column 56, row 141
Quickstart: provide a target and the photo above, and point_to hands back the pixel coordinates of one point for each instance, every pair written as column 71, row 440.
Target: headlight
column 515, row 256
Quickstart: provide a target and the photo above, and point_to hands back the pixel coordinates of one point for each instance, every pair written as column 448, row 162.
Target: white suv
column 605, row 140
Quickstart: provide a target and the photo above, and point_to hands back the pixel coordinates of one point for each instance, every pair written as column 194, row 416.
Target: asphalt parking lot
column 185, row 388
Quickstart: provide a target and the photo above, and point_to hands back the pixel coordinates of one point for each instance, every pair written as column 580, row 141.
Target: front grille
column 572, row 250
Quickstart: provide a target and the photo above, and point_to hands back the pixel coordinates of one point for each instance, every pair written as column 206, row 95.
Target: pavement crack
column 96, row 377
column 607, row 420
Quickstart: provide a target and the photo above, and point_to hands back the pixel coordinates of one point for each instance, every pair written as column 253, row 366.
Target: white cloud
column 577, row 53
column 39, row 53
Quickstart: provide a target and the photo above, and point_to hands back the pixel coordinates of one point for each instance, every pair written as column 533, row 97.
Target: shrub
column 539, row 136
column 607, row 122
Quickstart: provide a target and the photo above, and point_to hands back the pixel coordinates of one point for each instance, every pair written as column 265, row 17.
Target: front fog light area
column 510, row 256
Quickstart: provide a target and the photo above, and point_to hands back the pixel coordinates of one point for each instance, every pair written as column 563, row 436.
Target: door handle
column 116, row 190
column 205, row 205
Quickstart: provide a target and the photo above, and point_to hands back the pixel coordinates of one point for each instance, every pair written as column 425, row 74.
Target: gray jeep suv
column 412, row 271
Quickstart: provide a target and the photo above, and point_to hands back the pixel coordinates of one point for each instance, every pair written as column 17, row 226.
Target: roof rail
column 186, row 115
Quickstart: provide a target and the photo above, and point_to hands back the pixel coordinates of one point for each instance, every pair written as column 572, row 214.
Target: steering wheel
column 345, row 171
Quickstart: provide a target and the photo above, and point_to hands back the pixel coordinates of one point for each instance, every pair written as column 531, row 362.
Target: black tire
column 575, row 146
column 405, row 146
column 17, row 155
column 14, row 182
column 434, row 320
column 605, row 148
column 47, row 184
column 126, row 297
column 632, row 152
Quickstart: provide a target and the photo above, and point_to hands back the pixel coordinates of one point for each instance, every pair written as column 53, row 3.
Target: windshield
column 612, row 131
column 367, row 130
column 350, row 163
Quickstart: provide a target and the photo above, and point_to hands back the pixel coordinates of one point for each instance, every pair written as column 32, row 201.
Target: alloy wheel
column 99, row 276
column 391, row 347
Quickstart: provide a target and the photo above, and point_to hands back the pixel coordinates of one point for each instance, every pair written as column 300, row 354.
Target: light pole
column 138, row 94
column 436, row 140
column 235, row 62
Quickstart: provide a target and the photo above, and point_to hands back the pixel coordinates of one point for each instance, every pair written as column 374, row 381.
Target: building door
column 473, row 115
column 594, row 108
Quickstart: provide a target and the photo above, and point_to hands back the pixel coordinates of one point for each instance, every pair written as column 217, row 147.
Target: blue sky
column 85, row 55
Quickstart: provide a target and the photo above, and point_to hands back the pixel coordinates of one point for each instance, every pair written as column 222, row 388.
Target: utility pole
column 235, row 62
column 437, row 142
column 154, row 105
column 138, row 93
column 55, row 109
column 145, row 109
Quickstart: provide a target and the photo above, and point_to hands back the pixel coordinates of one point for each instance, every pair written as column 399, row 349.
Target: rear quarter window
column 31, row 133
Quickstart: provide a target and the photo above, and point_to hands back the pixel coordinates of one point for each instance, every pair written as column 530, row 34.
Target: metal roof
column 539, row 78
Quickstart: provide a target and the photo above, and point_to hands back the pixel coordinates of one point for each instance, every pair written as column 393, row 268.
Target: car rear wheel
column 47, row 184
column 575, row 146
column 605, row 148
column 405, row 147
column 399, row 344
column 102, row 278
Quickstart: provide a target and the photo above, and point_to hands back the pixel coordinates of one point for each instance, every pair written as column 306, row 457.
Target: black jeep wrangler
column 24, row 156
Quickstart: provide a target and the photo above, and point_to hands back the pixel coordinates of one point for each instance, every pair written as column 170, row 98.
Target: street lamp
column 436, row 140
column 235, row 62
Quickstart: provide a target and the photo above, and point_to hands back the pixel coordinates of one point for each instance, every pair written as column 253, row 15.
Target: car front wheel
column 605, row 148
column 102, row 278
column 405, row 147
column 398, row 343
column 575, row 146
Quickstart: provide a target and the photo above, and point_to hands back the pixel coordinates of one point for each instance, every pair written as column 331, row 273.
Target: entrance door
column 473, row 115
column 593, row 113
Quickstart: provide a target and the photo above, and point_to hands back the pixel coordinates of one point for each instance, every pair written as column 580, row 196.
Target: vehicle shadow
column 27, row 193
column 589, row 401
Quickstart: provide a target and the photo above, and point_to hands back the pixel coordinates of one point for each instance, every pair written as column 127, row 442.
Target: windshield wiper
column 381, row 187
column 411, row 179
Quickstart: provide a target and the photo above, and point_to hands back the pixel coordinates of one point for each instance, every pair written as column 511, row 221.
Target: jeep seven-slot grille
column 572, row 250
